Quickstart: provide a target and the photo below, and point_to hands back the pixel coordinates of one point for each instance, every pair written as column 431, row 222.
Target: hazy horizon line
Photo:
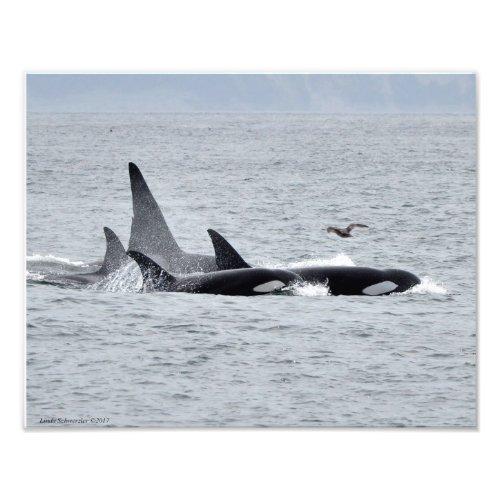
column 474, row 113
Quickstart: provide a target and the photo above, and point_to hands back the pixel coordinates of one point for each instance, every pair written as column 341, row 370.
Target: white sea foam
column 54, row 259
column 306, row 289
column 34, row 276
column 340, row 259
column 428, row 285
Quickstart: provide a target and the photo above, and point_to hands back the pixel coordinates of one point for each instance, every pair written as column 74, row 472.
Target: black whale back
column 231, row 282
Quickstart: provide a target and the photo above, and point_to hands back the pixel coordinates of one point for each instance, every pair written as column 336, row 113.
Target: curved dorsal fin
column 115, row 256
column 226, row 257
column 149, row 233
column 152, row 274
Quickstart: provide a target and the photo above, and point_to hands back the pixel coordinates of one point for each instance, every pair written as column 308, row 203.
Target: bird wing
column 352, row 226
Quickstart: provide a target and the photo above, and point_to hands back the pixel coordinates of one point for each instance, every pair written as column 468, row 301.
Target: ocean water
column 107, row 355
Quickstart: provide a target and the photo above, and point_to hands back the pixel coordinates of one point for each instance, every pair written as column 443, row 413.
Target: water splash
column 34, row 276
column 126, row 279
column 306, row 289
column 428, row 285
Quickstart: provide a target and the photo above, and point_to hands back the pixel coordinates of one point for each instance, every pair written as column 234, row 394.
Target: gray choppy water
column 270, row 184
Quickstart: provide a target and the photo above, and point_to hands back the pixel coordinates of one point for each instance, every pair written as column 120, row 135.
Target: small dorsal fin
column 226, row 257
column 152, row 274
column 149, row 233
column 115, row 256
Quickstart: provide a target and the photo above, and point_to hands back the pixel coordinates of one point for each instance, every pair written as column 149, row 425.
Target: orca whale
column 150, row 234
column 247, row 282
column 341, row 280
column 114, row 259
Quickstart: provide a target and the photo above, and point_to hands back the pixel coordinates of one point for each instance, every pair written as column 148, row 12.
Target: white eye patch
column 269, row 286
column 379, row 288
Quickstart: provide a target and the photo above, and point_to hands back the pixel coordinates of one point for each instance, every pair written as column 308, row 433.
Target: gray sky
column 312, row 93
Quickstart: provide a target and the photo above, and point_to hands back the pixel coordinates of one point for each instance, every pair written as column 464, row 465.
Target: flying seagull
column 344, row 233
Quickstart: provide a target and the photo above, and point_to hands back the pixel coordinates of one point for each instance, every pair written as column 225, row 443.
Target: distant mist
column 300, row 93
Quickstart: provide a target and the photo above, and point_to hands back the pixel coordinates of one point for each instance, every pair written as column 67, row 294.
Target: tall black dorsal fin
column 153, row 275
column 149, row 233
column 226, row 257
column 115, row 256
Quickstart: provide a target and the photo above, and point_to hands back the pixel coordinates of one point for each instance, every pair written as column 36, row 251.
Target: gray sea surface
column 107, row 355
